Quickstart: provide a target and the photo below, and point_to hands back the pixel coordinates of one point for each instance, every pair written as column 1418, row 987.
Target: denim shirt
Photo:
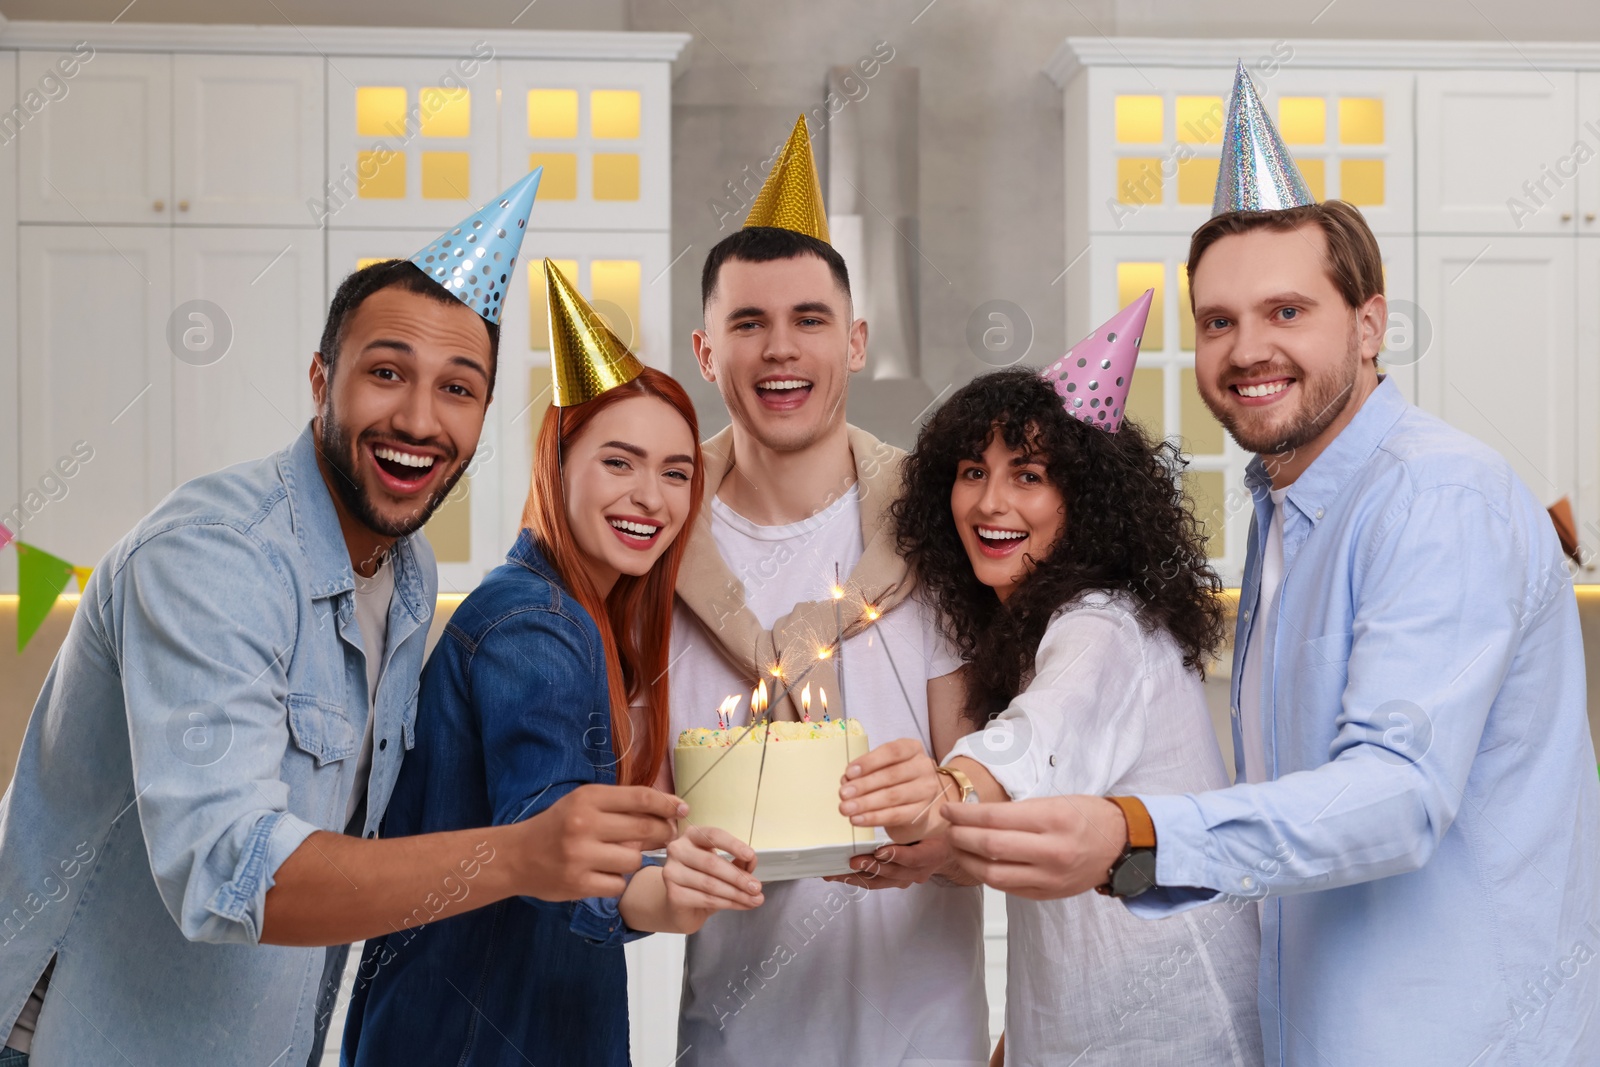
column 514, row 715
column 1427, row 846
column 201, row 719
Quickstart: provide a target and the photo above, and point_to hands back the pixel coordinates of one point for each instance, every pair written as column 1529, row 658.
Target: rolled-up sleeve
column 1075, row 728
column 1438, row 620
column 206, row 626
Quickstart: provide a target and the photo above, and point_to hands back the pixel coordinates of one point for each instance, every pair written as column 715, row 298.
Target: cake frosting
column 716, row 770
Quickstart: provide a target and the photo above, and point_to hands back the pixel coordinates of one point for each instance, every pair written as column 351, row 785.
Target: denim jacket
column 514, row 715
column 201, row 719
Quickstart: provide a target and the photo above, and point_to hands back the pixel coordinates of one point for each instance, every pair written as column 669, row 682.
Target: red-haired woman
column 550, row 676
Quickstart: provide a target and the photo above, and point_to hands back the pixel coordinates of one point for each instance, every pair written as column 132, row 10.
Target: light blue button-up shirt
column 1428, row 842
column 202, row 718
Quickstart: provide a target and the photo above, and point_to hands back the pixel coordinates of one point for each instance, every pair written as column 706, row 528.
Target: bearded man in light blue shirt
column 1417, row 807
column 219, row 735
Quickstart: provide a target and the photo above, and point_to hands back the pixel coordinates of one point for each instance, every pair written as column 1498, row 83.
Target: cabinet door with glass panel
column 411, row 142
column 602, row 132
column 1349, row 132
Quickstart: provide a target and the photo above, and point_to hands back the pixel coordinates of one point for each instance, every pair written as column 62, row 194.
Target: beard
column 1326, row 394
column 341, row 453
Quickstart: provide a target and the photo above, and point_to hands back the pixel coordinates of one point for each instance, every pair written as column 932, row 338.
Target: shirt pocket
column 320, row 729
column 1328, row 652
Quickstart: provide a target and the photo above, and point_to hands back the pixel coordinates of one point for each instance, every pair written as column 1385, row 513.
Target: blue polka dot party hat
column 474, row 260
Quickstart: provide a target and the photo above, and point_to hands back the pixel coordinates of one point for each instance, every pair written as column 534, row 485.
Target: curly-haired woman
column 1073, row 578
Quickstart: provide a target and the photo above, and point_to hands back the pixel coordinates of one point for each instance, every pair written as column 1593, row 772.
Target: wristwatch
column 1135, row 870
column 969, row 795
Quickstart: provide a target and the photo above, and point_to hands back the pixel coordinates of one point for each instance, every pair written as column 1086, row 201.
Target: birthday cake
column 787, row 800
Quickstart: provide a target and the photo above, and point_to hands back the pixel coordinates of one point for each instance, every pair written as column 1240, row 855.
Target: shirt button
column 1246, row 616
column 372, row 833
column 1247, row 882
column 1052, row 759
column 1319, row 513
column 383, row 744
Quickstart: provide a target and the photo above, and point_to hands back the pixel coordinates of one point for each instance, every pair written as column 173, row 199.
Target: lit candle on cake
column 758, row 702
column 823, row 693
column 805, row 703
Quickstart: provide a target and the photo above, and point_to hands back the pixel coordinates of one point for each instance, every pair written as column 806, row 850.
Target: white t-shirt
column 372, row 615
column 824, row 972
column 1251, row 683
column 1110, row 710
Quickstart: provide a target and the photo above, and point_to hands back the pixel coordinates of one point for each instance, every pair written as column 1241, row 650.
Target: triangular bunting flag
column 40, row 579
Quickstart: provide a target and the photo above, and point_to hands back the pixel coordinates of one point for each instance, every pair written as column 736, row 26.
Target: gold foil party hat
column 791, row 199
column 586, row 358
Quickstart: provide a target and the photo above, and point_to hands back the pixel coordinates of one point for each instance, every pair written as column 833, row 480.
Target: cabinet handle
column 160, row 205
column 1566, row 216
column 1588, row 216
column 183, row 205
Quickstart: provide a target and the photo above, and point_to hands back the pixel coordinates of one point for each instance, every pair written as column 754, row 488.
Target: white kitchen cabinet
column 247, row 140
column 251, row 168
column 1505, row 363
column 1475, row 164
column 1491, row 147
column 186, row 139
column 102, row 151
column 1587, row 154
column 247, row 312
column 95, row 368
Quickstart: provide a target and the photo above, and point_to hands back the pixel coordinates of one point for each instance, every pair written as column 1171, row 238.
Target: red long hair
column 635, row 620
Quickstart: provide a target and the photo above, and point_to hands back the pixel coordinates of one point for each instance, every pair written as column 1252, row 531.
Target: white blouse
column 1110, row 710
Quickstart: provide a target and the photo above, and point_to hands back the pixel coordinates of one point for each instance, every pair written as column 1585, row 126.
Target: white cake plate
column 788, row 864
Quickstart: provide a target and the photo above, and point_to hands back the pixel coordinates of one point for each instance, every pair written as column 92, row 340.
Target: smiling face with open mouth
column 627, row 476
column 780, row 345
column 1280, row 359
column 1007, row 512
column 400, row 410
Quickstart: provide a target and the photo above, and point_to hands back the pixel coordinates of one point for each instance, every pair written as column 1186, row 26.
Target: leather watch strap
column 1141, row 829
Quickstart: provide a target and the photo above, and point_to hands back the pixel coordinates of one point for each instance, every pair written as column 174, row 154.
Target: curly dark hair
column 1129, row 528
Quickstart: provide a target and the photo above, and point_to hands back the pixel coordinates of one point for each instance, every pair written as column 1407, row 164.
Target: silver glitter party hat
column 1257, row 173
column 474, row 261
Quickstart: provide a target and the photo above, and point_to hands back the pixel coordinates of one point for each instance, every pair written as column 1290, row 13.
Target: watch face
column 1134, row 874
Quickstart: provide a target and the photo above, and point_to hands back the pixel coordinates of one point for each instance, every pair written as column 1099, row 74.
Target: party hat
column 475, row 260
column 1257, row 172
column 791, row 199
column 1092, row 379
column 586, row 358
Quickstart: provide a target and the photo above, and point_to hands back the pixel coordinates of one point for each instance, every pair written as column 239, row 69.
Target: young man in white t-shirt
column 885, row 967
